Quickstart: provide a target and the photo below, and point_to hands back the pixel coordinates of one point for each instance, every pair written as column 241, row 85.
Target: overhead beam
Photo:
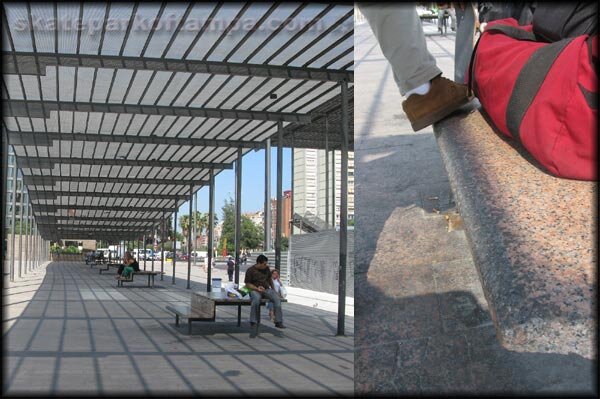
column 42, row 109
column 111, row 208
column 29, row 63
column 103, row 237
column 45, row 180
column 95, row 227
column 51, row 218
column 107, row 228
column 49, row 162
column 33, row 194
column 47, row 138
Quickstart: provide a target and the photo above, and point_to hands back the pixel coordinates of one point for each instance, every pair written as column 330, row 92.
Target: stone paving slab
column 79, row 335
column 533, row 238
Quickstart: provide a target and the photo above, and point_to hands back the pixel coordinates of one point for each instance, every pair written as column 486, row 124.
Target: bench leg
column 257, row 321
column 189, row 327
column 239, row 315
column 148, row 281
column 177, row 320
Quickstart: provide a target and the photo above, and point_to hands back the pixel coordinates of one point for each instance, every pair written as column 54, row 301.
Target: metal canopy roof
column 112, row 123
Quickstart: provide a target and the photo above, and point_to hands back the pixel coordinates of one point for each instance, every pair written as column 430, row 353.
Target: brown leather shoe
column 443, row 98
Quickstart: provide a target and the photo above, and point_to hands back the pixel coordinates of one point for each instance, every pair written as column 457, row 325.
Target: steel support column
column 238, row 213
column 12, row 220
column 175, row 241
column 144, row 249
column 343, row 213
column 26, row 232
column 153, row 245
column 289, row 222
column 268, row 225
column 211, row 223
column 21, row 229
column 194, row 222
column 33, row 245
column 279, row 195
column 238, row 219
column 4, row 193
column 326, row 171
column 162, row 248
column 189, row 237
column 30, row 236
column 333, row 177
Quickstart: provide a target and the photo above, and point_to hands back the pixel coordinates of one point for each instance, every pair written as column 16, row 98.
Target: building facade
column 313, row 193
column 286, row 215
column 257, row 217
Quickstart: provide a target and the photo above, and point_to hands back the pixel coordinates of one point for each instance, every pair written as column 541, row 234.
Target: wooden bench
column 532, row 237
column 204, row 307
column 129, row 279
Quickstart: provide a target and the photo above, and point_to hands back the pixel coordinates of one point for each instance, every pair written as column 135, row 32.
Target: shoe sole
column 437, row 116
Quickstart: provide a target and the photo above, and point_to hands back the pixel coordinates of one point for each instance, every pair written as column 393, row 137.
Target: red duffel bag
column 541, row 94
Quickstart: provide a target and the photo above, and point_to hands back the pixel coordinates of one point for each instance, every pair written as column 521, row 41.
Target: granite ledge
column 532, row 237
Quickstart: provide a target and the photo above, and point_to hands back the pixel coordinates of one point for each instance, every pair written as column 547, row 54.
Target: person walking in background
column 230, row 268
column 444, row 8
column 429, row 96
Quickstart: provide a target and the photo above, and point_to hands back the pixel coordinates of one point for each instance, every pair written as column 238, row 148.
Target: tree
column 19, row 228
column 199, row 219
column 71, row 249
column 251, row 237
column 201, row 222
column 228, row 230
column 184, row 222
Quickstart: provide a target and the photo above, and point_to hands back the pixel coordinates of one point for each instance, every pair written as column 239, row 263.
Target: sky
column 253, row 183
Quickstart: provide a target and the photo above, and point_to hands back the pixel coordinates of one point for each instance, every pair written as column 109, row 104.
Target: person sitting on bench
column 129, row 266
column 258, row 280
column 279, row 289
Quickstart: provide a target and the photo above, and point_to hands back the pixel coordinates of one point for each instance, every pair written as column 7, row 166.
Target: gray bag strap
column 528, row 83
column 514, row 32
column 530, row 78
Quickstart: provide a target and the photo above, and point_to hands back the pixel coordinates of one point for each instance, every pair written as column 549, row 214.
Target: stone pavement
column 70, row 331
column 423, row 324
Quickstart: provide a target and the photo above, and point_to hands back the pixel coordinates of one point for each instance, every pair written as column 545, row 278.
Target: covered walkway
column 68, row 329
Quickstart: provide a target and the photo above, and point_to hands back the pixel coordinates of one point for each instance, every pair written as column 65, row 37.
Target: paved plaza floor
column 422, row 320
column 69, row 330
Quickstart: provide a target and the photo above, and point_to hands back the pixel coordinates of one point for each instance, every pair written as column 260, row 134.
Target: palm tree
column 201, row 222
column 184, row 222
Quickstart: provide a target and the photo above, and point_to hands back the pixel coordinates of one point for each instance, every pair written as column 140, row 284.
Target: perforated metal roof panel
column 113, row 122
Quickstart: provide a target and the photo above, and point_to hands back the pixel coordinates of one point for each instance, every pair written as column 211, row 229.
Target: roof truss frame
column 30, row 63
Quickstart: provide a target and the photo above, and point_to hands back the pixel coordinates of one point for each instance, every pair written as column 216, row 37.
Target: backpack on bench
column 542, row 94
